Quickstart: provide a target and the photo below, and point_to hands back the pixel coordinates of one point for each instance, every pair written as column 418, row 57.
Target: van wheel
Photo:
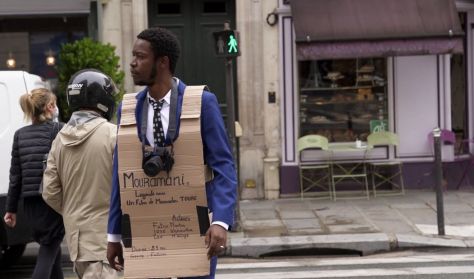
column 9, row 255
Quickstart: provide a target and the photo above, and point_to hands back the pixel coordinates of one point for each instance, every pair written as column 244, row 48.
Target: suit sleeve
column 52, row 188
column 222, row 190
column 14, row 189
column 115, row 212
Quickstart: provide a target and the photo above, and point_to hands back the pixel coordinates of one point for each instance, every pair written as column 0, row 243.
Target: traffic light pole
column 229, row 85
column 227, row 46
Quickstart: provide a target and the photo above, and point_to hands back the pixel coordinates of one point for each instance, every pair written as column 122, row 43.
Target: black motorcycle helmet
column 92, row 89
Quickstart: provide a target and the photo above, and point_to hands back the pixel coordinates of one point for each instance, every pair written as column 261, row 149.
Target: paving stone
column 306, row 232
column 340, row 216
column 259, row 214
column 251, row 224
column 419, row 216
column 296, row 224
column 374, row 208
column 293, row 207
column 418, row 205
column 296, row 214
column 290, row 203
column 394, row 226
column 266, row 232
column 373, row 202
column 353, row 228
column 450, row 207
column 257, row 204
column 318, row 204
column 459, row 218
column 334, row 220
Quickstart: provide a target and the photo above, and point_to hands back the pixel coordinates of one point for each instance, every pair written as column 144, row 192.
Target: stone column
column 257, row 75
column 122, row 20
column 271, row 109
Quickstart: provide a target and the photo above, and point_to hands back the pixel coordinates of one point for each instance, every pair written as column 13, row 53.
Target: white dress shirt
column 164, row 114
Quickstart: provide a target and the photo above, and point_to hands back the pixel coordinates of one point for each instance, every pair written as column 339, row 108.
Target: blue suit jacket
column 221, row 191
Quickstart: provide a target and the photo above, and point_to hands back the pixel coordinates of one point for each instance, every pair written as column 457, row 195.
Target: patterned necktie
column 158, row 133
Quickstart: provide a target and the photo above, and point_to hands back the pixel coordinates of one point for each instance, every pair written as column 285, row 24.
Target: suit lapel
column 181, row 87
column 138, row 111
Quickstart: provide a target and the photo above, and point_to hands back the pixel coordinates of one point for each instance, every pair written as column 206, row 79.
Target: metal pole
column 229, row 78
column 229, row 85
column 439, row 180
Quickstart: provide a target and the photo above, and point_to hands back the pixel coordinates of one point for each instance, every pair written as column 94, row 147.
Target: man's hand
column 216, row 239
column 10, row 219
column 114, row 251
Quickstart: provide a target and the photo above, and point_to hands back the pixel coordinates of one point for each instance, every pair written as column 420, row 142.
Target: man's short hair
column 163, row 43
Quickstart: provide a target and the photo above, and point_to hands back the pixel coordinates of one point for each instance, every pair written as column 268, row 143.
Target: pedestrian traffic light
column 227, row 43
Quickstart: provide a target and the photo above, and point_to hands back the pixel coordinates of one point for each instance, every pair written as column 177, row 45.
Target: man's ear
column 164, row 63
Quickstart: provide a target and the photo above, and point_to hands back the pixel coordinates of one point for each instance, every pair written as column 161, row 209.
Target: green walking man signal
column 227, row 43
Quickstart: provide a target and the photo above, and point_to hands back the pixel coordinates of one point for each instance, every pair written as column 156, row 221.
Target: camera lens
column 153, row 165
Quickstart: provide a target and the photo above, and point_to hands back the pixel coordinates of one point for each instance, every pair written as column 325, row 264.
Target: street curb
column 416, row 241
column 258, row 246
column 239, row 246
column 469, row 243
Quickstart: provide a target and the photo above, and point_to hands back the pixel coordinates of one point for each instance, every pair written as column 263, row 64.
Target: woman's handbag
column 52, row 136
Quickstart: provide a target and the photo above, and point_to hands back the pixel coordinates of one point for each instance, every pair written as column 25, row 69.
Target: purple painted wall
column 289, row 180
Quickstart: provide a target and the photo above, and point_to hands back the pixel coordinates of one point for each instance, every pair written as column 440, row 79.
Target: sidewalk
column 368, row 226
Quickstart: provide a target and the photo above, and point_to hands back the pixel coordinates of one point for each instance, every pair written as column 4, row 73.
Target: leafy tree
column 83, row 54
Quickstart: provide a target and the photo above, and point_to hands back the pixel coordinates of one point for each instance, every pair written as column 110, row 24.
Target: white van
column 12, row 85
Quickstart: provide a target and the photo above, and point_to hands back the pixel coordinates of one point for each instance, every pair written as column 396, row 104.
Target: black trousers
column 48, row 262
column 48, row 230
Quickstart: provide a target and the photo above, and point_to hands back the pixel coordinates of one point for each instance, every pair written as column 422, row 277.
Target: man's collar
column 166, row 98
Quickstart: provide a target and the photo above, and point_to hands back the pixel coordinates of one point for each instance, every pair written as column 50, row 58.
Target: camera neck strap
column 172, row 125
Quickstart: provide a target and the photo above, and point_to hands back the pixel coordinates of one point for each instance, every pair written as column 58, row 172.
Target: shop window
column 459, row 121
column 344, row 99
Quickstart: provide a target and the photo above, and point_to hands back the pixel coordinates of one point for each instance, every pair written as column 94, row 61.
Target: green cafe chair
column 387, row 172
column 314, row 176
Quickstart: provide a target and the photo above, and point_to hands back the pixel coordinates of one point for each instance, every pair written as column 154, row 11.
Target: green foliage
column 84, row 54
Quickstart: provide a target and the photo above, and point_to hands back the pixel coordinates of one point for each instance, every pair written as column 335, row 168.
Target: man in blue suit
column 155, row 54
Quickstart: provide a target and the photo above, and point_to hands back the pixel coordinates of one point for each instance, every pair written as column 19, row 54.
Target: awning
column 43, row 7
column 368, row 28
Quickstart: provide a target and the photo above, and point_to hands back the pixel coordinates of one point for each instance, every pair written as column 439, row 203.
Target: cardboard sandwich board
column 166, row 216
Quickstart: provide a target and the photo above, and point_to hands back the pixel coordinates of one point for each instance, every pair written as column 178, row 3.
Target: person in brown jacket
column 77, row 180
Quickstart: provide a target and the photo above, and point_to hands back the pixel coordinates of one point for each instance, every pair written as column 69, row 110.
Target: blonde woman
column 30, row 143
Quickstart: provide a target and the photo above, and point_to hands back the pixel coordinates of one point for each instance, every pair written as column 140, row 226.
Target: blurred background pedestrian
column 30, row 144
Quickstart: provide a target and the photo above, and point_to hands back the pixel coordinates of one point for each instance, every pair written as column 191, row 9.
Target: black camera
column 157, row 160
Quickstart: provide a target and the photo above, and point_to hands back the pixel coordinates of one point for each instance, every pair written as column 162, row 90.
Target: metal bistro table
column 348, row 163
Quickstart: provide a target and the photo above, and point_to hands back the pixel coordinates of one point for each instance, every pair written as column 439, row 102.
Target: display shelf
column 309, row 89
column 323, row 103
column 343, row 108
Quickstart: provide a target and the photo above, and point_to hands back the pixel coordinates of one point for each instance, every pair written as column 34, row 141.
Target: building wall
column 257, row 75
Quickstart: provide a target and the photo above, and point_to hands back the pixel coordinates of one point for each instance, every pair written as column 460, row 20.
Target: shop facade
column 342, row 78
column 32, row 33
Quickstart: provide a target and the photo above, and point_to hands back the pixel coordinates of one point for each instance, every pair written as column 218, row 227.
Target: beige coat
column 77, row 183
